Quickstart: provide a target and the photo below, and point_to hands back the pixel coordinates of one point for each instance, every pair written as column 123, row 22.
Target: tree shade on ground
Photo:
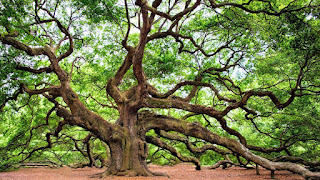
column 121, row 84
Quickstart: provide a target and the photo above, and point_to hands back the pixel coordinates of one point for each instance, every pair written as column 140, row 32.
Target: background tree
column 237, row 78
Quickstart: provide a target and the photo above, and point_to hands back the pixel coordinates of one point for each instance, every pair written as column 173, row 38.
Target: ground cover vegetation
column 126, row 83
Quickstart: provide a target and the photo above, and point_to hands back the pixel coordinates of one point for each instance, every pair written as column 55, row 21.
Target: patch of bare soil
column 181, row 171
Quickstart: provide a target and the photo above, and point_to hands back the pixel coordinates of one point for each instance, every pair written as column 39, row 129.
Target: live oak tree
column 183, row 71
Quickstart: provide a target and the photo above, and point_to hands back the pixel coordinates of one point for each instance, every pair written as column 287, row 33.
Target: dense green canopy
column 121, row 84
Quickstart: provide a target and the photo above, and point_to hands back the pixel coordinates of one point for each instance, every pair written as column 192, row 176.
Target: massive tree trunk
column 128, row 158
column 128, row 154
column 127, row 138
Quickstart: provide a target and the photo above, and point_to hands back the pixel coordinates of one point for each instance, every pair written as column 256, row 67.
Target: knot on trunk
column 143, row 149
column 64, row 113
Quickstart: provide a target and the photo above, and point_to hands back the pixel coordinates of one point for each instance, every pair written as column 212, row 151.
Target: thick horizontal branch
column 296, row 160
column 269, row 150
column 35, row 71
column 52, row 89
column 271, row 95
column 21, row 46
column 173, row 103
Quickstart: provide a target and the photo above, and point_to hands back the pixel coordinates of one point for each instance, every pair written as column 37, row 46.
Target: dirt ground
column 181, row 172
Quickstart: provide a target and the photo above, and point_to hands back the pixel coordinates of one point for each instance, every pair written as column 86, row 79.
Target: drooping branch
column 190, row 146
column 227, row 163
column 48, row 137
column 201, row 110
column 76, row 145
column 178, row 103
column 311, row 165
column 193, row 129
column 158, row 142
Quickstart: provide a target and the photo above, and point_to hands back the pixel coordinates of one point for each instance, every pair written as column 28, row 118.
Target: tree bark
column 193, row 129
column 128, row 155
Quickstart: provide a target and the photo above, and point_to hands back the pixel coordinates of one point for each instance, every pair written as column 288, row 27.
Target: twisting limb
column 177, row 103
column 86, row 141
column 65, row 31
column 177, row 16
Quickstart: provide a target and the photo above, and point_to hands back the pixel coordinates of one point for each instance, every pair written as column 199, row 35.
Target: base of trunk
column 129, row 173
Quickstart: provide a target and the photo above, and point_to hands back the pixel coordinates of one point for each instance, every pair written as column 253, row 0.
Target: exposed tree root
column 313, row 166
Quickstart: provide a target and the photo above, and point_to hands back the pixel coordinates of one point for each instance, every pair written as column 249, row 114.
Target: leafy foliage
column 72, row 71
